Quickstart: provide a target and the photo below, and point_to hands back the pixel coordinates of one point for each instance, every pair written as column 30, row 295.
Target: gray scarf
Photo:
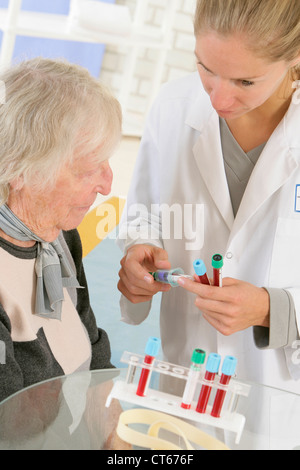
column 52, row 267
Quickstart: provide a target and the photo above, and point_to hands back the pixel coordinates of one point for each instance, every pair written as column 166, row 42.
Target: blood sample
column 151, row 352
column 228, row 370
column 200, row 270
column 217, row 264
column 212, row 368
column 198, row 358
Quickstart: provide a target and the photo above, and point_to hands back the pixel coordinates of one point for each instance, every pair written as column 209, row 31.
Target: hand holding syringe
column 171, row 277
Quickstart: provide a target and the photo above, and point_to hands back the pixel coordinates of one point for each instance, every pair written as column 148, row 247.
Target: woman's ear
column 296, row 61
column 17, row 183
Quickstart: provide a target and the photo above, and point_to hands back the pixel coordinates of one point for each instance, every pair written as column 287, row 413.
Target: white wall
column 180, row 58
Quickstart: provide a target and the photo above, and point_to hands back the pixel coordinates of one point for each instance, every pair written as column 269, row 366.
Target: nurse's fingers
column 204, row 291
column 134, row 298
column 137, row 287
column 219, row 325
column 142, row 259
column 138, row 294
column 215, row 305
column 242, row 305
column 136, row 282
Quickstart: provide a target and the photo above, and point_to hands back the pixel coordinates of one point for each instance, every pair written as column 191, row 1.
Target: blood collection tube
column 228, row 370
column 198, row 358
column 151, row 352
column 200, row 270
column 212, row 368
column 217, row 264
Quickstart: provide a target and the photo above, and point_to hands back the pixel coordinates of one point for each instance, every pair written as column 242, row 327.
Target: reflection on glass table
column 65, row 413
column 70, row 413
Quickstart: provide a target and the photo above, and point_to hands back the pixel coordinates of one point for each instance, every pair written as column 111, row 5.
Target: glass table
column 66, row 413
column 69, row 413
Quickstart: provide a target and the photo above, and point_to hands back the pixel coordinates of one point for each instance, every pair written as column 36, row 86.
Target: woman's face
column 63, row 207
column 236, row 80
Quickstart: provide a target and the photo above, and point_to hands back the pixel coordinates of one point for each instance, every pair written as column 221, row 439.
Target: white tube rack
column 230, row 420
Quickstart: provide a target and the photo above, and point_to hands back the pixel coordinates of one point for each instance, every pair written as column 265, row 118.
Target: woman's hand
column 234, row 307
column 135, row 281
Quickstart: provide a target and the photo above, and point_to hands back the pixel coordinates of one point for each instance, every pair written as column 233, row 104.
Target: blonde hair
column 273, row 26
column 53, row 110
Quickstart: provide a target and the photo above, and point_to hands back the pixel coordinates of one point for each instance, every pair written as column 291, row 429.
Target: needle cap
column 217, row 262
column 213, row 363
column 152, row 347
column 229, row 366
column 199, row 267
column 198, row 356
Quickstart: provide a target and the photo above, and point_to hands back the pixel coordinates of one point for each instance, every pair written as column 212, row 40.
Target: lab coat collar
column 201, row 110
column 208, row 154
column 292, row 126
column 278, row 161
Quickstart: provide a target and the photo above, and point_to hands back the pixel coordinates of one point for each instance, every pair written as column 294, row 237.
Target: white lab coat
column 181, row 162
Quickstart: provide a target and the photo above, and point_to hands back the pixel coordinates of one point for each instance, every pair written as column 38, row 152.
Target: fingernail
column 148, row 279
column 181, row 281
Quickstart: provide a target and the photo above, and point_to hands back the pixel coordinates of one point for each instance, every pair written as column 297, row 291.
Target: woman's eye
column 247, row 83
column 203, row 67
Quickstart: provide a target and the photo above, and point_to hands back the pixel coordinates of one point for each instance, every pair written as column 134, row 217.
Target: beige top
column 17, row 296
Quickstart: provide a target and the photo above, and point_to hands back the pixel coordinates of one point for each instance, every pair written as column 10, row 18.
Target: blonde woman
column 226, row 149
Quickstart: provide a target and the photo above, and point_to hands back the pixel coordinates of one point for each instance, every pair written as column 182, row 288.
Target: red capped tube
column 200, row 270
column 212, row 368
column 151, row 352
column 228, row 370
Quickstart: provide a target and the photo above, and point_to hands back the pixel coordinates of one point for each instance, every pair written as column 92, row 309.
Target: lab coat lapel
column 210, row 162
column 275, row 166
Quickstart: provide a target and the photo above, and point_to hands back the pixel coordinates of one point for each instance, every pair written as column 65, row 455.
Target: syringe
column 170, row 277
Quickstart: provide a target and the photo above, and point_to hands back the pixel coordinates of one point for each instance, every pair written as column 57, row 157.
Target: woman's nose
column 222, row 95
column 105, row 179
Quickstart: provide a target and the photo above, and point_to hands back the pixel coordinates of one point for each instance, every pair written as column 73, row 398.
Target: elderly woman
column 221, row 153
column 58, row 128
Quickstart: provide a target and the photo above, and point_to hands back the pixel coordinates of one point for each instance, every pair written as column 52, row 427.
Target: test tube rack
column 125, row 391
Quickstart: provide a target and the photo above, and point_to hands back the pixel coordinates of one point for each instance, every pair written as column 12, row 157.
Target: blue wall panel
column 85, row 54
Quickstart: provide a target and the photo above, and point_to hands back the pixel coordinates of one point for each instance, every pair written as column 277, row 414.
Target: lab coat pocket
column 285, row 262
column 284, row 421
